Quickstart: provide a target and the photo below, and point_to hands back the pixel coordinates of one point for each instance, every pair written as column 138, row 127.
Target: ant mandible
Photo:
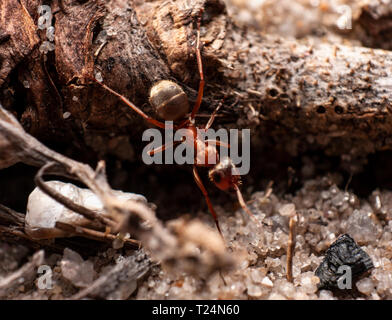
column 171, row 104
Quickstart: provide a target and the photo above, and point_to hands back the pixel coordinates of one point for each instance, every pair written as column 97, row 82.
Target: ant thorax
column 205, row 155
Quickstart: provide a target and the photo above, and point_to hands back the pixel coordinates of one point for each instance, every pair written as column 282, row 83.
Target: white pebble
column 365, row 286
column 162, row 288
column 26, row 84
column 66, row 115
column 287, row 210
column 254, row 291
column 256, row 275
column 276, row 296
column 79, row 272
column 266, row 282
column 326, row 295
column 43, row 212
column 287, row 289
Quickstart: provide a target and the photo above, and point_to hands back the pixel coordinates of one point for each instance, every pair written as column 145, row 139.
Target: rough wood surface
column 336, row 98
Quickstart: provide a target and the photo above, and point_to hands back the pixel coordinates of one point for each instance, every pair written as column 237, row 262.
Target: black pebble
column 344, row 251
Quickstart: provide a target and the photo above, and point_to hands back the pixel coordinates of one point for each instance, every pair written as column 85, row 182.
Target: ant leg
column 244, row 206
column 200, row 67
column 163, row 147
column 204, row 191
column 133, row 107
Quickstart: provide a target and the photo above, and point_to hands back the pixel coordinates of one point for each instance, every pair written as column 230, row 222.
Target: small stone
column 66, row 115
column 365, row 286
column 162, row 288
column 151, row 283
column 287, row 210
column 363, row 227
column 338, row 200
column 325, row 195
column 301, row 296
column 326, row 295
column 256, row 275
column 276, row 296
column 287, row 289
column 79, row 272
column 343, row 252
column 309, row 282
column 26, row 84
column 254, row 291
column 266, row 282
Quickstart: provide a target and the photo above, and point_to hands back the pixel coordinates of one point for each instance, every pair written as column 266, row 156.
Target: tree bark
column 330, row 97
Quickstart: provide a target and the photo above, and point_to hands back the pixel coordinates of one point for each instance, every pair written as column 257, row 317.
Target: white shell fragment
column 43, row 212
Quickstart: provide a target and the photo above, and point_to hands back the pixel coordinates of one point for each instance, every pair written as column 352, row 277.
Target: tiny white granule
column 365, row 286
column 66, row 115
column 266, row 282
column 287, row 210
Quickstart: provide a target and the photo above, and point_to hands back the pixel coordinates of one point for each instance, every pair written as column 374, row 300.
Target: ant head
column 169, row 100
column 225, row 175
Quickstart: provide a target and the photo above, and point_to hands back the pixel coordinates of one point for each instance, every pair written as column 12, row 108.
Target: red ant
column 171, row 104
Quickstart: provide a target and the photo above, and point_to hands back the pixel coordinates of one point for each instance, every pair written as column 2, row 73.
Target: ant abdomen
column 169, row 100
